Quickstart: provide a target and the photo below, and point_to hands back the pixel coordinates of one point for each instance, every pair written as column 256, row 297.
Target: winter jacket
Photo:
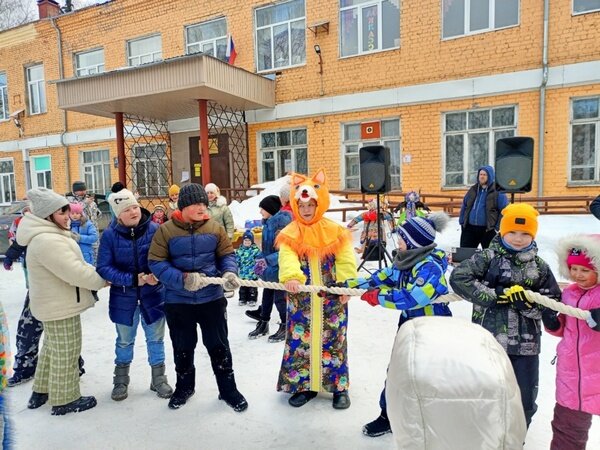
column 450, row 385
column 90, row 208
column 482, row 206
column 122, row 255
column 60, row 280
column 88, row 235
column 578, row 363
column 245, row 258
column 220, row 213
column 271, row 227
column 595, row 207
column 496, row 267
column 179, row 247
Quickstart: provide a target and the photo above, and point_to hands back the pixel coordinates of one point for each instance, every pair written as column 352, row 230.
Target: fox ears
column 318, row 178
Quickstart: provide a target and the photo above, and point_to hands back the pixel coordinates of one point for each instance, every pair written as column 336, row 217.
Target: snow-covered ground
column 144, row 421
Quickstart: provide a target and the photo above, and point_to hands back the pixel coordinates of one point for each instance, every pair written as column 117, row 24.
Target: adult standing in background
column 595, row 207
column 218, row 209
column 480, row 210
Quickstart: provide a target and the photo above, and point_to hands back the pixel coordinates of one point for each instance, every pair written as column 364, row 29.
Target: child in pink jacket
column 578, row 367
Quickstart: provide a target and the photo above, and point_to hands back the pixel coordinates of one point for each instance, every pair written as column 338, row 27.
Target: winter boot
column 341, row 400
column 19, row 378
column 184, row 388
column 279, row 335
column 243, row 295
column 81, row 404
column 378, row 427
column 120, row 382
column 252, row 296
column 222, row 365
column 301, row 398
column 36, row 400
column 254, row 313
column 262, row 329
column 159, row 383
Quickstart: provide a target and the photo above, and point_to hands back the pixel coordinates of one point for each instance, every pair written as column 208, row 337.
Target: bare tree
column 16, row 12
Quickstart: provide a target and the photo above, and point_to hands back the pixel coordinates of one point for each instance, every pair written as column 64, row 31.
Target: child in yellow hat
column 173, row 197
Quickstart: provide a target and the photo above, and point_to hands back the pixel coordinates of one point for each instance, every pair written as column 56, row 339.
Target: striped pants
column 57, row 372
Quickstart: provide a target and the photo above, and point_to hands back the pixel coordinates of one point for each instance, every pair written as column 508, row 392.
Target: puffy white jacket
column 450, row 385
column 60, row 280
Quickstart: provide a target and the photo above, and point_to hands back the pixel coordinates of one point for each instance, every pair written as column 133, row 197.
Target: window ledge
column 475, row 33
column 374, row 52
column 582, row 184
column 591, row 11
column 279, row 69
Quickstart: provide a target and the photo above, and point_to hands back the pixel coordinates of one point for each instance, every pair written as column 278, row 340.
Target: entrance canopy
column 166, row 90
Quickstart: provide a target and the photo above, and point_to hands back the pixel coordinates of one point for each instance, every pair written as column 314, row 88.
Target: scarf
column 408, row 258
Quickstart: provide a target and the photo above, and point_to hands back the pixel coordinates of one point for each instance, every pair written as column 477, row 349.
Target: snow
column 144, row 421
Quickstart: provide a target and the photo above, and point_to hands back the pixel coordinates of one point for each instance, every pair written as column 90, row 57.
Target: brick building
column 437, row 80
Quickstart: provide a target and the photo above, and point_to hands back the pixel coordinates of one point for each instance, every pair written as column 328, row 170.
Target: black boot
column 341, row 400
column 184, row 388
column 301, row 398
column 243, row 295
column 254, row 313
column 262, row 329
column 81, row 404
column 279, row 335
column 19, row 378
column 81, row 369
column 252, row 296
column 378, row 427
column 36, row 400
column 222, row 364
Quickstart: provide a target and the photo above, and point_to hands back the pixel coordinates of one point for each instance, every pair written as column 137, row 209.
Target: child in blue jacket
column 84, row 232
column 246, row 256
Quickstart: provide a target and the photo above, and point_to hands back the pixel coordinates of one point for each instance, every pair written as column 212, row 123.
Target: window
column 36, row 89
column 469, row 141
column 96, row 170
column 389, row 136
column 585, row 143
column 7, row 181
column 41, row 167
column 144, row 51
column 368, row 26
column 150, row 170
column 463, row 17
column 282, row 152
column 89, row 63
column 280, row 35
column 3, row 97
column 585, row 6
column 208, row 37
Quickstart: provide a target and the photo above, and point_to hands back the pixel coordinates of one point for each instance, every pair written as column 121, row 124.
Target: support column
column 121, row 148
column 204, row 153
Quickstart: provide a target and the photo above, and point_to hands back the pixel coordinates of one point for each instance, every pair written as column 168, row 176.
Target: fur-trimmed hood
column 219, row 201
column 589, row 243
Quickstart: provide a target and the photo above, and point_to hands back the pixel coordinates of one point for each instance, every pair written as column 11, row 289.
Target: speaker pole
column 512, row 197
column 382, row 252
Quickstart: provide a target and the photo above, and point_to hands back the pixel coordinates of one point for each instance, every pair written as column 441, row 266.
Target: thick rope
column 533, row 297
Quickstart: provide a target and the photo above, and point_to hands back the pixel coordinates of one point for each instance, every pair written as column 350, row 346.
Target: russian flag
column 230, row 53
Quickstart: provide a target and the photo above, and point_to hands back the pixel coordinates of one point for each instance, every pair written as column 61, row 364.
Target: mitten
column 260, row 266
column 232, row 281
column 518, row 299
column 341, row 284
column 7, row 264
column 550, row 319
column 75, row 236
column 192, row 281
column 594, row 320
column 371, row 297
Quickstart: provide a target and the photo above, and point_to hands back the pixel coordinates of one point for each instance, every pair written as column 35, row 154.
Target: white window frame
column 151, row 163
column 34, row 173
column 11, row 181
column 89, row 174
column 360, row 7
column 396, row 180
column 490, row 129
column 593, row 121
column 36, row 88
column 4, row 111
column 582, row 12
column 200, row 44
column 491, row 20
column 273, row 25
column 82, row 71
column 278, row 173
column 136, row 60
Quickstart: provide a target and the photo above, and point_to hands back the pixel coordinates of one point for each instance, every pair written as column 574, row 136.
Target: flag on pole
column 230, row 53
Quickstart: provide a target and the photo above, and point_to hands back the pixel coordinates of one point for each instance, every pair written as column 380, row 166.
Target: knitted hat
column 76, row 208
column 159, row 208
column 519, row 217
column 174, row 189
column 284, row 193
column 44, row 202
column 120, row 201
column 79, row 186
column 248, row 235
column 580, row 249
column 191, row 194
column 420, row 231
column 117, row 187
column 212, row 187
column 270, row 204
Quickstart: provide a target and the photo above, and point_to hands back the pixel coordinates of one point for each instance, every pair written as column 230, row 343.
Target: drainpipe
column 64, row 113
column 542, row 114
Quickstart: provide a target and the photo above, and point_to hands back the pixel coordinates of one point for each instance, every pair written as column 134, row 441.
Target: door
column 218, row 145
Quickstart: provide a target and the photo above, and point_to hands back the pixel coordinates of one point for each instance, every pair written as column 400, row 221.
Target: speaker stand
column 382, row 252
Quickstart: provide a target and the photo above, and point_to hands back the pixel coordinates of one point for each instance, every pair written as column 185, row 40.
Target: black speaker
column 375, row 169
column 514, row 164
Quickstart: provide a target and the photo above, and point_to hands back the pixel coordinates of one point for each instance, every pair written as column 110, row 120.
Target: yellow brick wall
column 572, row 39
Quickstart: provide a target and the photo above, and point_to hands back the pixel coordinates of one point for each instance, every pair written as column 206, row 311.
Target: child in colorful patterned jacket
column 246, row 256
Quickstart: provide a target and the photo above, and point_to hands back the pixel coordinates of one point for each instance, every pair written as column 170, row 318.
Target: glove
column 518, row 299
column 550, row 319
column 371, row 297
column 502, row 297
column 192, row 281
column 594, row 321
column 75, row 236
column 260, row 266
column 232, row 281
column 7, row 264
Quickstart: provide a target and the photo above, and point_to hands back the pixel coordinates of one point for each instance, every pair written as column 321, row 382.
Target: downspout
column 64, row 113
column 542, row 114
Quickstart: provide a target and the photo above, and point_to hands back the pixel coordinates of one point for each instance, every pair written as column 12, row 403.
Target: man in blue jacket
column 480, row 211
column 595, row 207
column 184, row 250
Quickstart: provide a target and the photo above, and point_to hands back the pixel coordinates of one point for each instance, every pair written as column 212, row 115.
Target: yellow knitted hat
column 174, row 189
column 519, row 217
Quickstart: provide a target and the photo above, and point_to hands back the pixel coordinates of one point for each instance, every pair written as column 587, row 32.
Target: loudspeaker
column 514, row 164
column 375, row 169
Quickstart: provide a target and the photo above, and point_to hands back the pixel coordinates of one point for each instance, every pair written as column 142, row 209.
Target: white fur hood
column 589, row 243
